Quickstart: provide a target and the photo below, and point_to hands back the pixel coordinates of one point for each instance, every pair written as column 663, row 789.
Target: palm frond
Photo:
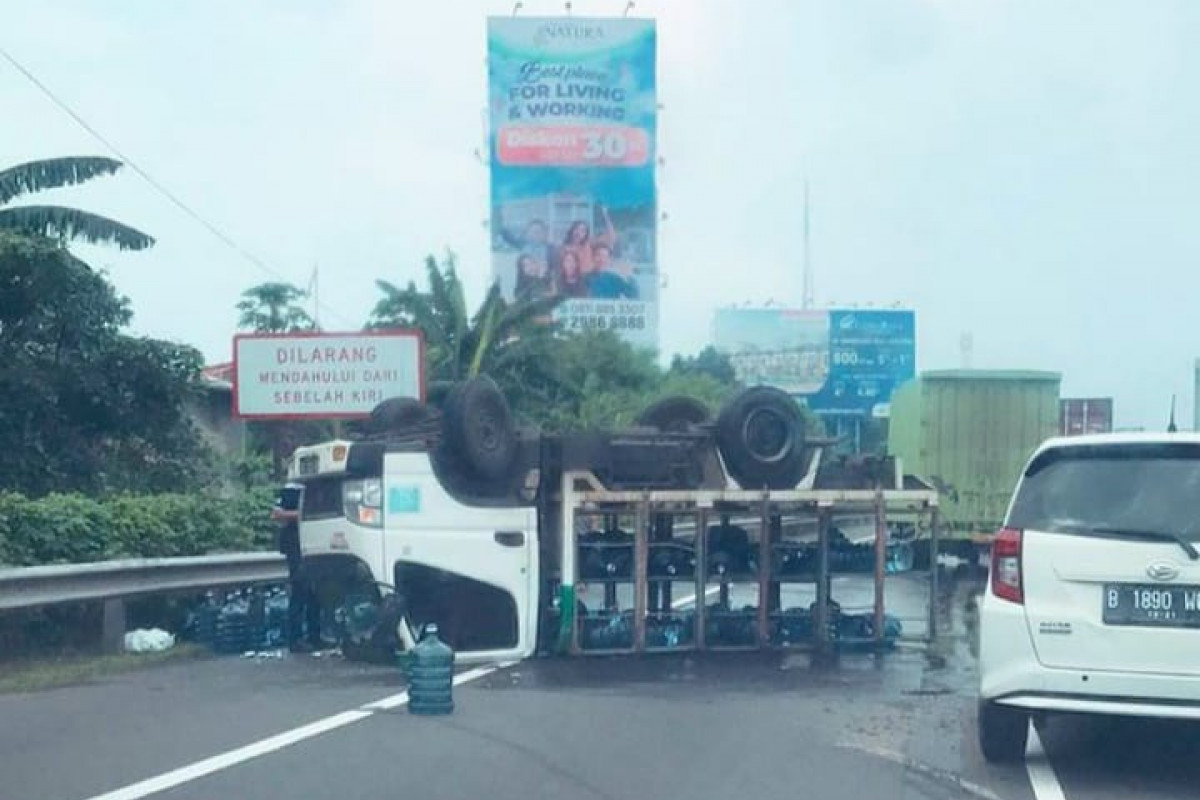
column 409, row 308
column 449, row 301
column 60, row 222
column 520, row 315
column 51, row 173
column 455, row 292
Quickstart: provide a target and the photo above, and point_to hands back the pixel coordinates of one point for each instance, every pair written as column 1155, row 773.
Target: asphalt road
column 673, row 726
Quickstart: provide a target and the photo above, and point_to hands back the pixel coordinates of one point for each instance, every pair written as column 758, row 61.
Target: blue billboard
column 846, row 361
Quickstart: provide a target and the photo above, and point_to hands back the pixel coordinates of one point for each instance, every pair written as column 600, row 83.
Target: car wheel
column 479, row 428
column 675, row 414
column 760, row 434
column 1003, row 732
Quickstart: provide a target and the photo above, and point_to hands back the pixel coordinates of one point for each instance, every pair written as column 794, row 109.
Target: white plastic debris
column 148, row 640
column 263, row 655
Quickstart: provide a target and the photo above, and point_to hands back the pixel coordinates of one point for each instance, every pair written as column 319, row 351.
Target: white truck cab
column 369, row 515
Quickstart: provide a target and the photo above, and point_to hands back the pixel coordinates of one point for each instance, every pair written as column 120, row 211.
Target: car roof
column 1118, row 439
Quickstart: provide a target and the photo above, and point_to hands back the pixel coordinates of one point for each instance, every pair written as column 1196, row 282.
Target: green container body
column 970, row 433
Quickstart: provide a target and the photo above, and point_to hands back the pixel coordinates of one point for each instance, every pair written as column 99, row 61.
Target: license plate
column 1151, row 605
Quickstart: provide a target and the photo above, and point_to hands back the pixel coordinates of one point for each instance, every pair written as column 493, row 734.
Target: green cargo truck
column 969, row 433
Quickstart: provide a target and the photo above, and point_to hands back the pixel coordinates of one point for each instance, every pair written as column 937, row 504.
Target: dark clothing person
column 304, row 611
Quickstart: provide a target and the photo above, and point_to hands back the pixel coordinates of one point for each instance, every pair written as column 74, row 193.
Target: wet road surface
column 900, row 725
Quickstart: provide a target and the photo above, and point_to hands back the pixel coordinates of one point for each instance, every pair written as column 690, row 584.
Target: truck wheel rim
column 767, row 435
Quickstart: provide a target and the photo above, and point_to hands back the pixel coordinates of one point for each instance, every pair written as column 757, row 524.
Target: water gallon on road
column 431, row 675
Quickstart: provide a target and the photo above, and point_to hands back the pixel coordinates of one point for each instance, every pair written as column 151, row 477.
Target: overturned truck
column 683, row 531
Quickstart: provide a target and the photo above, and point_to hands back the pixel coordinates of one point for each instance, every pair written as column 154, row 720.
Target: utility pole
column 807, row 300
column 316, row 295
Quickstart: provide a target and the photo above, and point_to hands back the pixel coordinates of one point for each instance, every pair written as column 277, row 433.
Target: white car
column 1093, row 602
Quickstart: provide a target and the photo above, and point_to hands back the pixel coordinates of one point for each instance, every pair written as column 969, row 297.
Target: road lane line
column 1041, row 773
column 928, row 770
column 240, row 755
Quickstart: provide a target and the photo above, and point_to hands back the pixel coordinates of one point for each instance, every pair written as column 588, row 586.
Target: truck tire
column 478, row 428
column 397, row 414
column 1003, row 732
column 675, row 414
column 760, row 434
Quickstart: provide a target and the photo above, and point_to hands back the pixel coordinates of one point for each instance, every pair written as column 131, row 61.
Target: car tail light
column 1006, row 566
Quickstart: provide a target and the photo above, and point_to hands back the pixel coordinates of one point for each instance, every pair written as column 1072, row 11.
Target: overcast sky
column 1027, row 172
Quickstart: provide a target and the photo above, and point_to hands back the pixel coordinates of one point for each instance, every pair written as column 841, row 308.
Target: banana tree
column 510, row 341
column 62, row 222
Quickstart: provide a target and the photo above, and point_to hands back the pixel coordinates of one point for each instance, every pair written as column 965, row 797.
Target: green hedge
column 72, row 528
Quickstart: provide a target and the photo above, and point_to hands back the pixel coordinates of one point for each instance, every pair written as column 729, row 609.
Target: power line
column 146, row 176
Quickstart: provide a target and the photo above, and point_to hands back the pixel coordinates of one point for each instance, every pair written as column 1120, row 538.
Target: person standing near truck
column 304, row 612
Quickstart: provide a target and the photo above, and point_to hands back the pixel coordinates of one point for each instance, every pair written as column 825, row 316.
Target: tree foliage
column 607, row 383
column 553, row 379
column 73, row 528
column 274, row 308
column 83, row 406
column 61, row 222
column 509, row 341
column 708, row 361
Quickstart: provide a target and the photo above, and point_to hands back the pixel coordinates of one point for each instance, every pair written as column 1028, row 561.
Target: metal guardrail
column 29, row 587
column 113, row 582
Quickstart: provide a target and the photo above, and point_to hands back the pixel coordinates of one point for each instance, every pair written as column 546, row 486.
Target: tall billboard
column 840, row 361
column 573, row 113
column 1079, row 416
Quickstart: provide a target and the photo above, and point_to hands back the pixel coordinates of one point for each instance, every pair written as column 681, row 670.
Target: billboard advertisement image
column 573, row 110
column 844, row 361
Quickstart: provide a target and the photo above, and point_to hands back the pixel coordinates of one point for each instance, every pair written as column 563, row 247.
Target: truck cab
column 376, row 515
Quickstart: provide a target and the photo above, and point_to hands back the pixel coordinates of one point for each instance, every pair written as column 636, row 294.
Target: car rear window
column 1148, row 487
column 322, row 499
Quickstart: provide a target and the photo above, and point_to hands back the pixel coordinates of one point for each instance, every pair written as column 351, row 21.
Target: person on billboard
column 571, row 280
column 535, row 241
column 612, row 279
column 579, row 241
column 533, row 278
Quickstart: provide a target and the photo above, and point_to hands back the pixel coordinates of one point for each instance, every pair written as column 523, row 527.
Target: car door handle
column 510, row 538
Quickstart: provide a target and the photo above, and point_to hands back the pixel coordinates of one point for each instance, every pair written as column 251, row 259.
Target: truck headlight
column 362, row 502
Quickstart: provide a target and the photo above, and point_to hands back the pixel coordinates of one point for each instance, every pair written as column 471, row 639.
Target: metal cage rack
column 653, row 548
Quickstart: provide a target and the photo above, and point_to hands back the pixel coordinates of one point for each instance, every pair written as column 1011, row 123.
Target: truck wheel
column 478, row 427
column 1003, row 732
column 676, row 414
column 398, row 414
column 760, row 434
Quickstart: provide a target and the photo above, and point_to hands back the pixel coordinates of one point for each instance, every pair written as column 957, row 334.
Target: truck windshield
column 1152, row 488
column 322, row 498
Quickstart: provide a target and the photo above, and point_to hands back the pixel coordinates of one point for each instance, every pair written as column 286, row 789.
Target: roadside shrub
column 72, row 528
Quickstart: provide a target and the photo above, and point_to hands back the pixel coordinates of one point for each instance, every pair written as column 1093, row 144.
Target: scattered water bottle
column 431, row 675
column 899, row 557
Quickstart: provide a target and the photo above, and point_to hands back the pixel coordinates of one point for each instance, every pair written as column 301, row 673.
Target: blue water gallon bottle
column 431, row 675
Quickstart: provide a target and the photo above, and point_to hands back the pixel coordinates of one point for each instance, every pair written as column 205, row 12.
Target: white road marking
column 937, row 773
column 230, row 758
column 1041, row 774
